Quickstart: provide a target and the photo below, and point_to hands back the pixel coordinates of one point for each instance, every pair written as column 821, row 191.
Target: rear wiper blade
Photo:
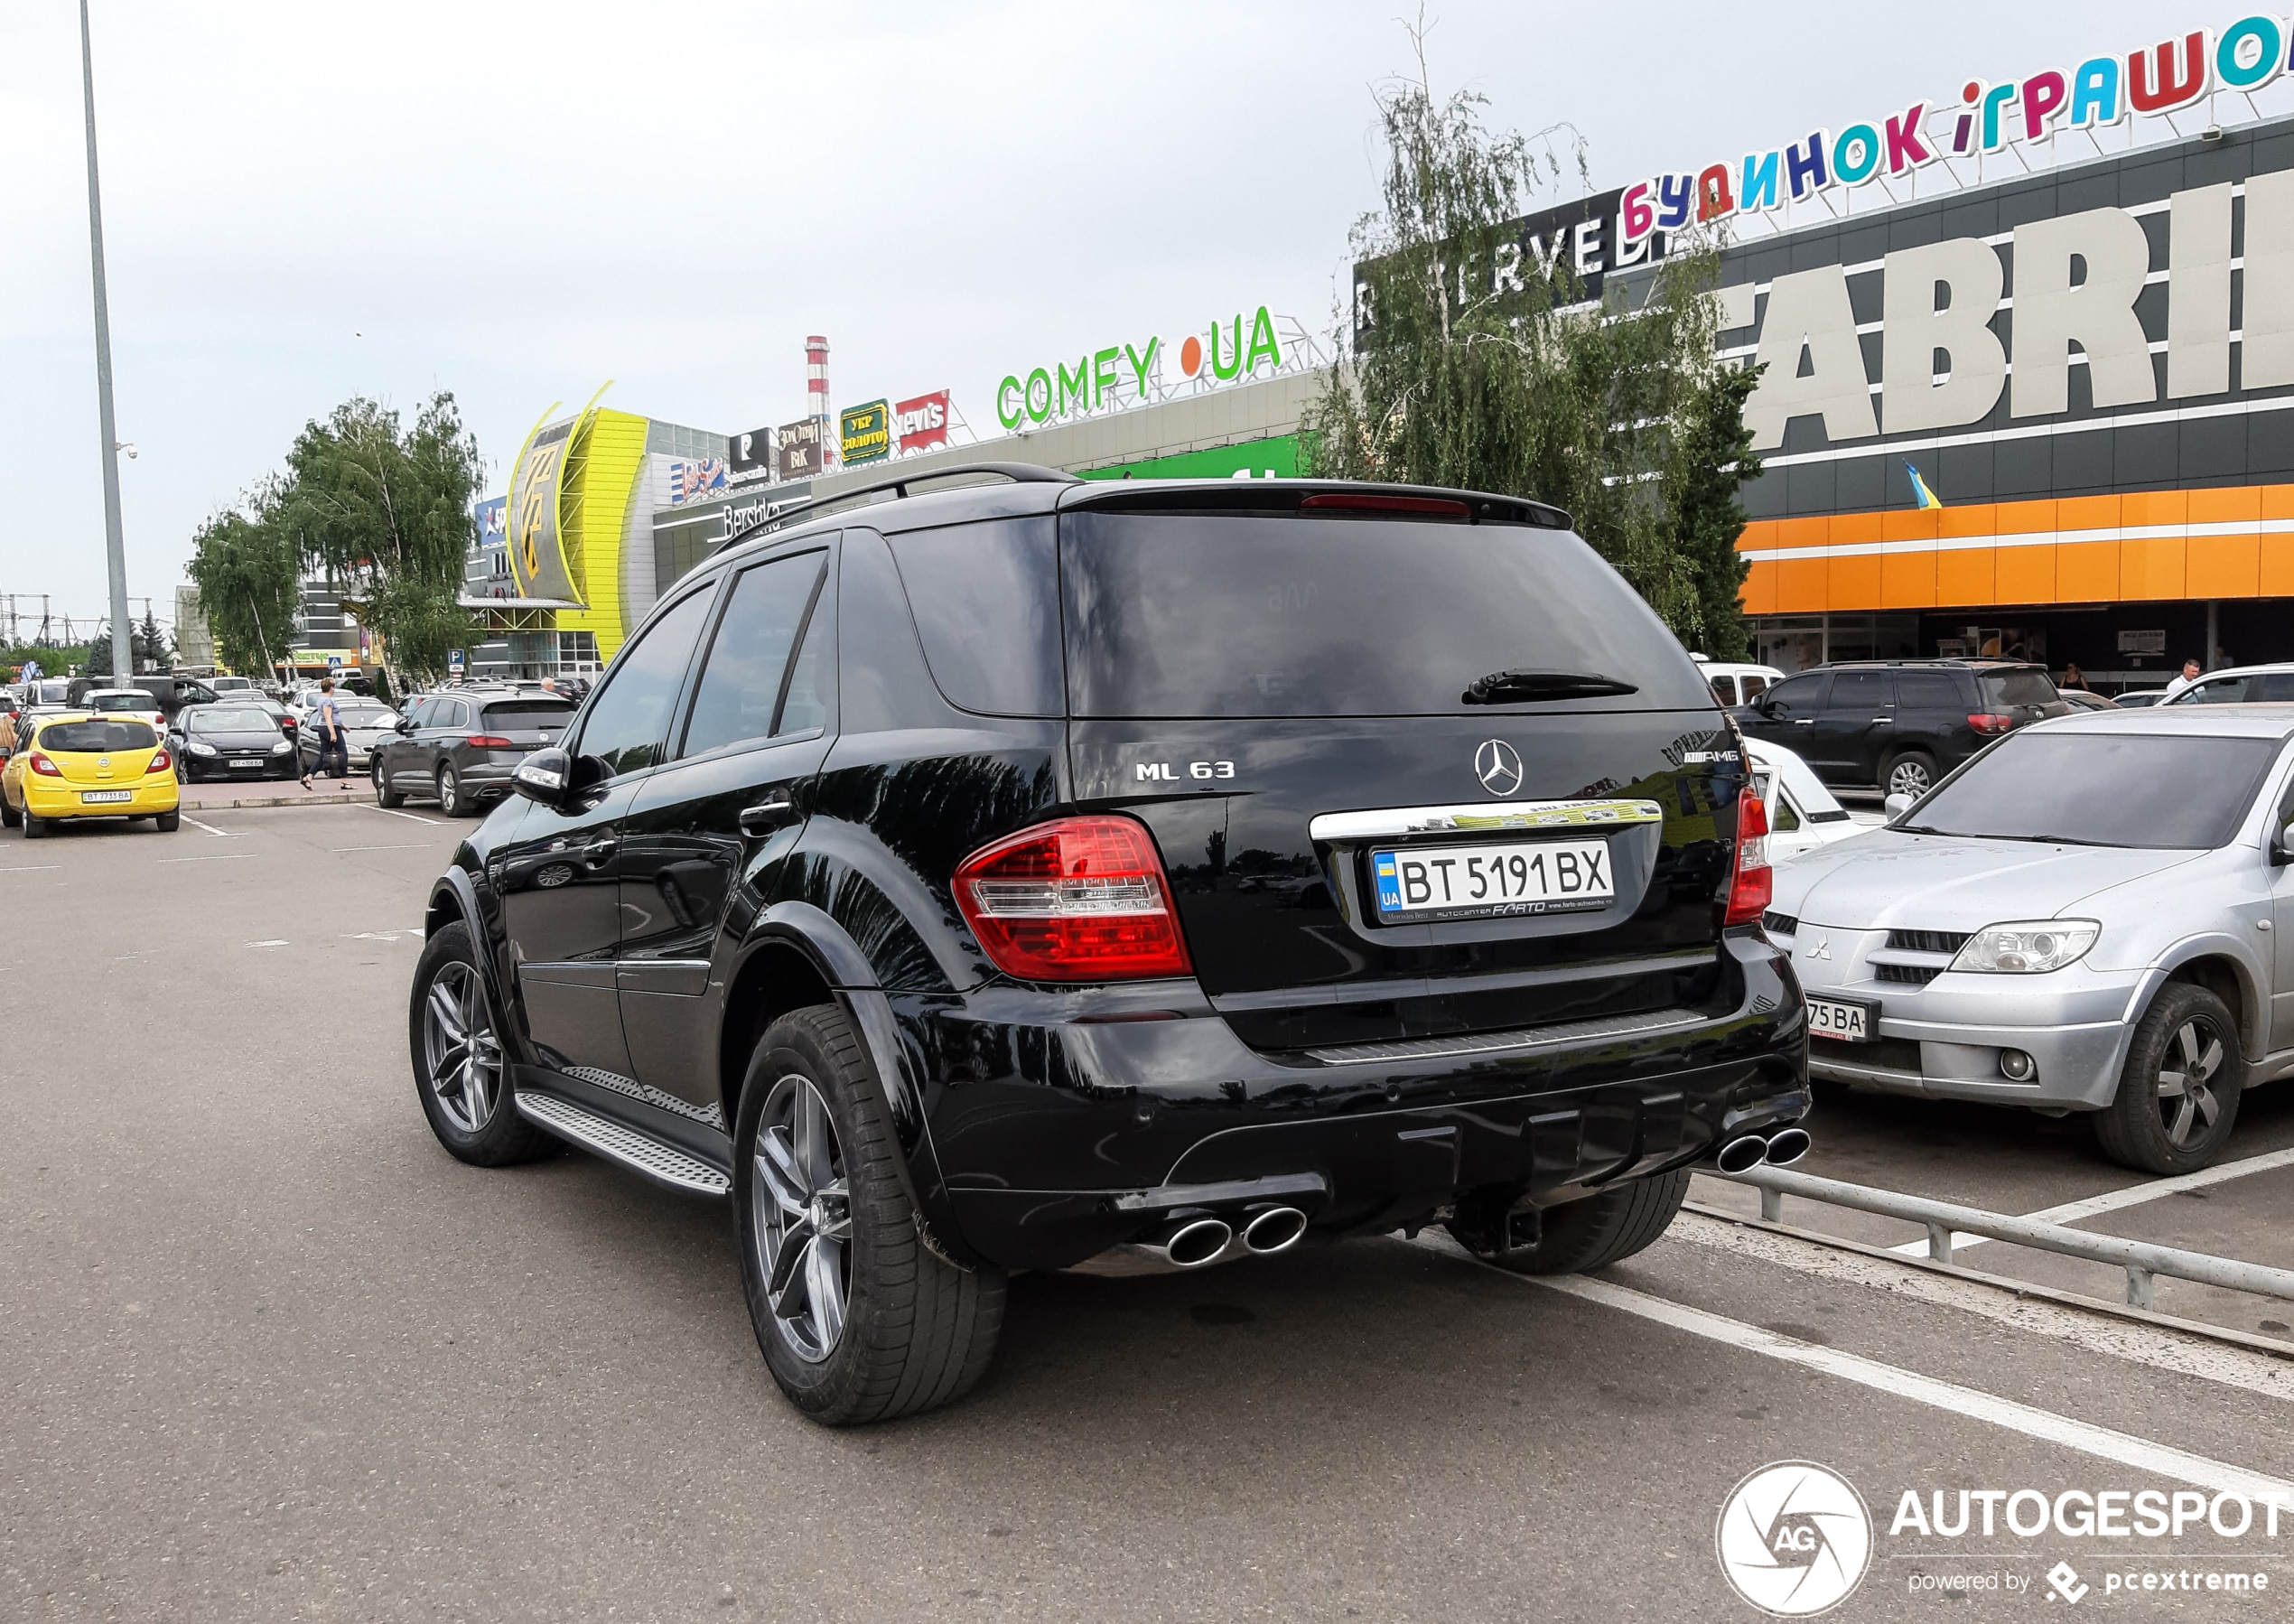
column 1510, row 687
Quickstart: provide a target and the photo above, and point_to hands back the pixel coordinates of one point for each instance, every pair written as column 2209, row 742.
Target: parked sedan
column 1802, row 814
column 231, row 742
column 365, row 722
column 461, row 746
column 2086, row 916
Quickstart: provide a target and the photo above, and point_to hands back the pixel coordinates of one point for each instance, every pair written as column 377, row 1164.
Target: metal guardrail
column 2141, row 1259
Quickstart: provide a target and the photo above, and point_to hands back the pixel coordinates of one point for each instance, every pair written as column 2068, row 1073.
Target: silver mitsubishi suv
column 2092, row 915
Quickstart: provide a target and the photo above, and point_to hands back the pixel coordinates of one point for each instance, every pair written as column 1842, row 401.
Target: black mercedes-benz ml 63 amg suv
column 994, row 877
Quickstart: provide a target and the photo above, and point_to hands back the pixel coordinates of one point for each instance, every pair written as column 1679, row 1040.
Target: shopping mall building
column 2028, row 385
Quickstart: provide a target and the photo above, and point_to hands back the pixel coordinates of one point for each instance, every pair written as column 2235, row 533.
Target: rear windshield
column 232, row 721
column 2005, row 689
column 527, row 715
column 1238, row 615
column 121, row 702
column 96, row 738
column 2128, row 790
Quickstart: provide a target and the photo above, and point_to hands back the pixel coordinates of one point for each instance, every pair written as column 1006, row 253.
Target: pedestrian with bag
column 327, row 717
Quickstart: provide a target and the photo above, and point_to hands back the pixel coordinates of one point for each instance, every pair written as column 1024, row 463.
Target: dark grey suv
column 461, row 746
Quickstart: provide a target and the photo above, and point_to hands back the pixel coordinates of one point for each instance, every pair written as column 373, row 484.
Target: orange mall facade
column 2092, row 367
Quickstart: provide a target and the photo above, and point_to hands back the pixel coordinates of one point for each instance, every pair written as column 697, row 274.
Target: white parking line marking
column 390, row 812
column 31, row 868
column 279, row 942
column 2047, row 1427
column 2248, row 1370
column 217, row 857
column 410, row 846
column 2134, row 1195
column 211, row 828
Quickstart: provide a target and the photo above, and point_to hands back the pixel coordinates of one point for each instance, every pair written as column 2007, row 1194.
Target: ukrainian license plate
column 1493, row 878
column 1846, row 1020
column 97, row 797
column 247, row 761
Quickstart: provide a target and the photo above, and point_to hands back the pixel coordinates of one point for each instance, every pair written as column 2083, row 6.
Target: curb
column 244, row 803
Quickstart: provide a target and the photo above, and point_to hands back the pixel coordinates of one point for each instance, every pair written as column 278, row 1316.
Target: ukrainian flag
column 1919, row 489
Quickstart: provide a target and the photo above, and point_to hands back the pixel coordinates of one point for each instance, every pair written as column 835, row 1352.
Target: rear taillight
column 1082, row 898
column 1753, row 886
column 161, row 762
column 44, row 766
column 489, row 741
column 1991, row 723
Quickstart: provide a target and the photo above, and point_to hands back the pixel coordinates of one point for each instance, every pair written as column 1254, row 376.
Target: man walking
column 327, row 717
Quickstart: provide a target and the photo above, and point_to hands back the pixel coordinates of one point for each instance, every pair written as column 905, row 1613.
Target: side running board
column 641, row 1153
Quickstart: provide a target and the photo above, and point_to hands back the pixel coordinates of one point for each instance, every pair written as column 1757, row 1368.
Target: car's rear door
column 1280, row 696
column 722, row 814
column 1855, row 727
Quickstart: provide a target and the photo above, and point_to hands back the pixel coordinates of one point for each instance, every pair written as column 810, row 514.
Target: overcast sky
column 516, row 202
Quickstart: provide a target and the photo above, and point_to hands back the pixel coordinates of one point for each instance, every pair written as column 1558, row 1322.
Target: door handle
column 1883, row 721
column 598, row 853
column 768, row 813
column 1804, row 722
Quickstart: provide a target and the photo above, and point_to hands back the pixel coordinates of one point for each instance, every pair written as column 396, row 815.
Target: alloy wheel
column 1908, row 778
column 2187, row 1103
column 803, row 1222
column 460, row 1047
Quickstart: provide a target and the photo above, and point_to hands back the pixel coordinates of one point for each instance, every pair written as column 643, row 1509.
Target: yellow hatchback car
column 84, row 766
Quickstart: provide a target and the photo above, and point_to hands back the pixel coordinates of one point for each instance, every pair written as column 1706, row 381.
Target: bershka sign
column 1116, row 376
column 922, row 423
column 1987, row 117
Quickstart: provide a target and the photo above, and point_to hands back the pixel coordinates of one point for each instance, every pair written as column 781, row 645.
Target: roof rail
column 1019, row 473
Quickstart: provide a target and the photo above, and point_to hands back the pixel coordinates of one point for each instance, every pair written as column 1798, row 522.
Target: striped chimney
column 816, row 394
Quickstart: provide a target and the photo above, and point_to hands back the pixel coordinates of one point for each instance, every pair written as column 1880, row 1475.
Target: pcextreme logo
column 1795, row 1539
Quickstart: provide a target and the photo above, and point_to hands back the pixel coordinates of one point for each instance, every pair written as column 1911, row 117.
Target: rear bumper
column 157, row 792
column 1065, row 1129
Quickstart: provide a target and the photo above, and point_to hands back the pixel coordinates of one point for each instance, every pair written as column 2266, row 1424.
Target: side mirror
column 1897, row 805
column 404, row 726
column 2281, row 853
column 544, row 776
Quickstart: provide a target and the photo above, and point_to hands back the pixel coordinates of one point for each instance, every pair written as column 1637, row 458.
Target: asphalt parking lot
column 269, row 1353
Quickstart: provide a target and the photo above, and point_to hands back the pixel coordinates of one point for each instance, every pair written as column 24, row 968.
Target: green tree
column 387, row 513
column 1474, row 367
column 248, row 573
column 151, row 647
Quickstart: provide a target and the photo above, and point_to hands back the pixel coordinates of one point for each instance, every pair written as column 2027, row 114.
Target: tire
column 9, row 817
column 452, row 801
column 2159, row 1121
column 167, row 823
column 881, row 1326
column 1580, row 1237
column 385, row 796
column 465, row 1087
column 1908, row 772
column 35, row 826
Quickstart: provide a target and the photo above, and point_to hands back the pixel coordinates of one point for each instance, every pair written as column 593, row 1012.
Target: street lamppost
column 115, row 544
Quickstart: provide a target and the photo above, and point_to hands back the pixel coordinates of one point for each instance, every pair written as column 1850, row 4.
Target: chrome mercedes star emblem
column 1498, row 767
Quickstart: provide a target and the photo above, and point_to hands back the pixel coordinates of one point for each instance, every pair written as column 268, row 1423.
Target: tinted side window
column 628, row 719
column 1797, row 696
column 1724, row 689
column 813, row 677
column 1861, row 691
column 2219, row 690
column 2018, row 688
column 748, row 660
column 983, row 597
column 451, row 713
column 1929, row 690
column 2278, row 688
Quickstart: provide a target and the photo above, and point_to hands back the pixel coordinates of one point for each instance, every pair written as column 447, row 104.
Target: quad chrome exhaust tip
column 1192, row 1243
column 1788, row 1145
column 1276, row 1229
